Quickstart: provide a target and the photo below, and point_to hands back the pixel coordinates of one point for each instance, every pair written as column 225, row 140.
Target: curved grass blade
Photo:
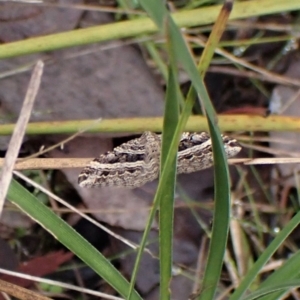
column 138, row 27
column 273, row 291
column 265, row 256
column 165, row 198
column 160, row 15
column 287, row 272
column 166, row 202
column 68, row 237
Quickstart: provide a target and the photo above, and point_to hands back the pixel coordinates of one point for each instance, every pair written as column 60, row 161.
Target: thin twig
column 57, row 283
column 49, row 163
column 19, row 131
column 270, row 76
column 20, row 292
column 61, row 143
column 75, row 210
column 69, row 163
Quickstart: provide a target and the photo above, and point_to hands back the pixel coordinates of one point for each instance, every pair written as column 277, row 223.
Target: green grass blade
column 159, row 13
column 165, row 194
column 166, row 202
column 138, row 27
column 221, row 173
column 288, row 271
column 68, row 237
column 220, row 221
column 273, row 291
column 134, row 125
column 265, row 256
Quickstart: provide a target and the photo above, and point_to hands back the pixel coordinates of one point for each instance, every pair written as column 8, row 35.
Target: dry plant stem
column 101, row 8
column 273, row 265
column 265, row 149
column 251, row 139
column 67, row 163
column 60, row 144
column 289, row 154
column 58, row 283
column 239, row 249
column 231, row 268
column 19, row 292
column 227, row 122
column 226, row 293
column 242, row 73
column 142, row 26
column 49, row 163
column 265, row 161
column 267, row 74
column 76, row 54
column 120, row 211
column 263, row 26
column 289, row 102
column 202, row 256
column 19, row 131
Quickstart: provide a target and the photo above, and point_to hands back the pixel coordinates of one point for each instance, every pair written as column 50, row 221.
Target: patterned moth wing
column 131, row 164
column 136, row 162
column 195, row 151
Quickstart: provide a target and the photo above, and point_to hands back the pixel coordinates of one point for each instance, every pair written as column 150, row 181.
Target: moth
column 137, row 162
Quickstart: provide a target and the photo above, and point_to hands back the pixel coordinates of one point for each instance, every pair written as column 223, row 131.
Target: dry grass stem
column 67, row 163
column 19, row 131
column 19, row 292
column 269, row 76
column 56, row 283
column 61, row 143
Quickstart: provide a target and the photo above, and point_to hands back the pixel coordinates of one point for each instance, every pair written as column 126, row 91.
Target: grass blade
column 68, row 237
column 159, row 14
column 166, row 207
column 265, row 256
